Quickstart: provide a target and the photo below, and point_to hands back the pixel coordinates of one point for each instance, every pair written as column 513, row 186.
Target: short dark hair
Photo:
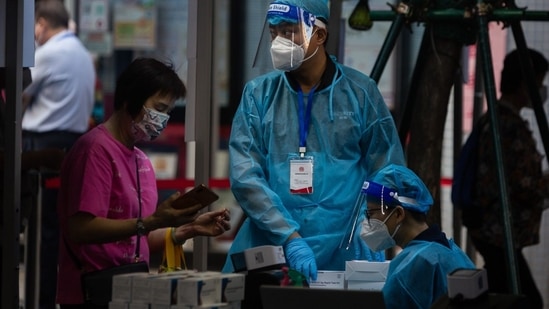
column 511, row 75
column 418, row 216
column 53, row 11
column 143, row 78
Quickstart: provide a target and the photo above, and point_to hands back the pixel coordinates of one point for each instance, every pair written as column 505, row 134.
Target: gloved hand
column 301, row 258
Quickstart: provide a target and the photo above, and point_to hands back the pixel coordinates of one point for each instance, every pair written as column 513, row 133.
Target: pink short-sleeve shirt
column 99, row 176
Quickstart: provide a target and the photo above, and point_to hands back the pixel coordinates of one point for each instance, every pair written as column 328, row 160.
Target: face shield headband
column 379, row 193
column 386, row 196
column 280, row 13
column 291, row 24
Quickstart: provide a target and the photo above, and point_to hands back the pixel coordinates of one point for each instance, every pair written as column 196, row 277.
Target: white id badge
column 301, row 175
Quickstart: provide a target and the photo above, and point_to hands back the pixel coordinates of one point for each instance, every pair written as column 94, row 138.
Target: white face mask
column 150, row 126
column 376, row 234
column 286, row 55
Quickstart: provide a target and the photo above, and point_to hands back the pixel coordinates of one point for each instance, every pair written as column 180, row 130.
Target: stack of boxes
column 365, row 275
column 358, row 275
column 178, row 290
column 216, row 290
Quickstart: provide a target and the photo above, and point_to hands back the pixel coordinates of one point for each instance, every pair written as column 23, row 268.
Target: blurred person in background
column 527, row 185
column 57, row 107
column 31, row 162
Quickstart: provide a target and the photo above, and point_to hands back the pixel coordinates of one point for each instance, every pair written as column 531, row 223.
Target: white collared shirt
column 62, row 88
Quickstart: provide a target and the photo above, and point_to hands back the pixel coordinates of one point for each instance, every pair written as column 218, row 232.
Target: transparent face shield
column 286, row 35
column 369, row 191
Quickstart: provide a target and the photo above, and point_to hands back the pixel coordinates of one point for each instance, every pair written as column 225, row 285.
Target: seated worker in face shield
column 397, row 204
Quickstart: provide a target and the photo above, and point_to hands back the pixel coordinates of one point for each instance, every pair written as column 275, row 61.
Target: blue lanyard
column 304, row 118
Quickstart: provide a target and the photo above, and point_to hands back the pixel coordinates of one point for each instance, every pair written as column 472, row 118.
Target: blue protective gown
column 351, row 136
column 417, row 275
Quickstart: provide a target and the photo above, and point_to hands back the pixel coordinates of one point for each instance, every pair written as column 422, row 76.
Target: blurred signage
column 94, row 16
column 135, row 24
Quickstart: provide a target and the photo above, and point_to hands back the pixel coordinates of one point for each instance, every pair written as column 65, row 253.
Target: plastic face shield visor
column 288, row 22
column 379, row 194
column 370, row 192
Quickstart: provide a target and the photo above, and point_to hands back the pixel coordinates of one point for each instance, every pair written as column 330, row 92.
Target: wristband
column 175, row 241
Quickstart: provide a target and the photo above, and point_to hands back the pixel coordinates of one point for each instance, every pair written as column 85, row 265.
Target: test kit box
column 264, row 257
column 199, row 291
column 232, row 287
column 138, row 306
column 122, row 286
column 329, row 279
column 467, row 283
column 231, row 305
column 357, row 270
column 365, row 285
column 164, row 287
column 142, row 289
column 365, row 275
column 118, row 305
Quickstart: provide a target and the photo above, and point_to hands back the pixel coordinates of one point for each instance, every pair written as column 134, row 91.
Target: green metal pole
column 459, row 14
column 383, row 15
column 387, row 47
column 489, row 84
column 517, row 14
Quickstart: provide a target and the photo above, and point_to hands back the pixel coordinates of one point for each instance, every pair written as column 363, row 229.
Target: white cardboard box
column 264, row 256
column 469, row 283
column 329, row 279
column 118, row 305
column 138, row 306
column 122, row 286
column 199, row 291
column 366, row 271
column 232, row 287
column 365, row 285
column 231, row 305
column 142, row 289
column 164, row 287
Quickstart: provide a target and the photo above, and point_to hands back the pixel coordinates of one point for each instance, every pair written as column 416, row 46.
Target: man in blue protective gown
column 303, row 140
column 397, row 205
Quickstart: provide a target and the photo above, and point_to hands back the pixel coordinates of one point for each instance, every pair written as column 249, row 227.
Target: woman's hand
column 166, row 215
column 212, row 223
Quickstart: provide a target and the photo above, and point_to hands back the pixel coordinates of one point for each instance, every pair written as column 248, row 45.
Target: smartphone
column 198, row 195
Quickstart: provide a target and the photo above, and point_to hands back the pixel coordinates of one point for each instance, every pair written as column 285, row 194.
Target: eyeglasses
column 369, row 212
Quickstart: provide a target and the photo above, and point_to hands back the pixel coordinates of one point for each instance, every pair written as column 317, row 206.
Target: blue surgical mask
column 376, row 234
column 150, row 126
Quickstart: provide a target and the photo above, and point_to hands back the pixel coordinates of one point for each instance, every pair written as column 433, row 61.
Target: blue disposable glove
column 300, row 257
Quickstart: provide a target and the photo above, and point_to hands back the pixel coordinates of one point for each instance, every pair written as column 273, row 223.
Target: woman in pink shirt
column 108, row 202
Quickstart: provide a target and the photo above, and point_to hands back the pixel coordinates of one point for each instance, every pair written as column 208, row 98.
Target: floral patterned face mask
column 150, row 126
